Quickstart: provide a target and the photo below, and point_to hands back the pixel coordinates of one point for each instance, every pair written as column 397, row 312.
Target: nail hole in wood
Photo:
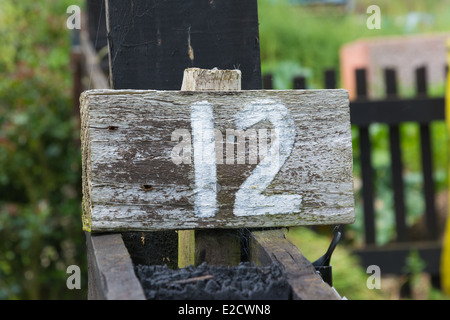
column 112, row 128
column 147, row 187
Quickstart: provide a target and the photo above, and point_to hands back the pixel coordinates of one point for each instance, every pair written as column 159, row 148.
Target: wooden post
column 110, row 19
column 152, row 42
column 366, row 164
column 217, row 247
column 111, row 271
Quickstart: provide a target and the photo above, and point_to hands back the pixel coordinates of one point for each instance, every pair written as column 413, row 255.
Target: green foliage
column 40, row 229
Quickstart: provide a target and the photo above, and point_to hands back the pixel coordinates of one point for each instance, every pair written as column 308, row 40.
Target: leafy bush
column 40, row 229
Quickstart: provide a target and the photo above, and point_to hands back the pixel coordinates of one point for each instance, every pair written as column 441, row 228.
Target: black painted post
column 396, row 161
column 330, row 79
column 366, row 163
column 427, row 162
column 152, row 42
column 299, row 83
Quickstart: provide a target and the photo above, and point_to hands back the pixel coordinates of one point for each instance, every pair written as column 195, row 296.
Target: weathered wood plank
column 111, row 272
column 141, row 171
column 271, row 246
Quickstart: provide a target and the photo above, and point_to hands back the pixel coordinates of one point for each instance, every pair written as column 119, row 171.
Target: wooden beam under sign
column 271, row 246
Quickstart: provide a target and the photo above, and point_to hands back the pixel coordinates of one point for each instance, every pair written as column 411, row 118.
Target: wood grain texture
column 131, row 183
column 196, row 79
column 271, row 246
column 111, row 271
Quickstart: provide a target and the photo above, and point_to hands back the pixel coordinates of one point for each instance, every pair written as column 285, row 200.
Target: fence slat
column 427, row 162
column 299, row 83
column 267, row 81
column 396, row 162
column 165, row 37
column 330, row 79
column 419, row 110
column 427, row 171
column 366, row 164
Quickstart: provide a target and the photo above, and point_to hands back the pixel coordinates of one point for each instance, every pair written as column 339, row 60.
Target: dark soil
column 152, row 248
column 244, row 282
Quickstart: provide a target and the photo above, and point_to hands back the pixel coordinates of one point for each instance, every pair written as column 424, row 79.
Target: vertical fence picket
column 366, row 164
column 427, row 162
column 396, row 162
column 330, row 79
column 267, row 81
column 299, row 83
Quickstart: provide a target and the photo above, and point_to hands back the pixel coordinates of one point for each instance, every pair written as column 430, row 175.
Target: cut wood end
column 196, row 79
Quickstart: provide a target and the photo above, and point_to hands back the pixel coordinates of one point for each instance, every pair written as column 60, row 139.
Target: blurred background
column 40, row 164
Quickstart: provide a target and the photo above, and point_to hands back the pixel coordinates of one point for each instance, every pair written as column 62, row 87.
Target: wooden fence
column 393, row 111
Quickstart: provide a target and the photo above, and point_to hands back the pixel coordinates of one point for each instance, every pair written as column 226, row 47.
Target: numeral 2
column 249, row 199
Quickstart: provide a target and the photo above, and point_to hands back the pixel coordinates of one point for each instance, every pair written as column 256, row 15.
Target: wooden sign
column 159, row 160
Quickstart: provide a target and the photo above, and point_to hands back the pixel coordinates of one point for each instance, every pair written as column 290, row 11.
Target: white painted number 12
column 249, row 199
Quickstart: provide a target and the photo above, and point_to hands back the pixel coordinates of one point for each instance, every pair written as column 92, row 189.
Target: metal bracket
column 322, row 265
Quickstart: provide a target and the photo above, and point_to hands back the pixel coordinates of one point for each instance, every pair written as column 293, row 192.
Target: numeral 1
column 205, row 193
